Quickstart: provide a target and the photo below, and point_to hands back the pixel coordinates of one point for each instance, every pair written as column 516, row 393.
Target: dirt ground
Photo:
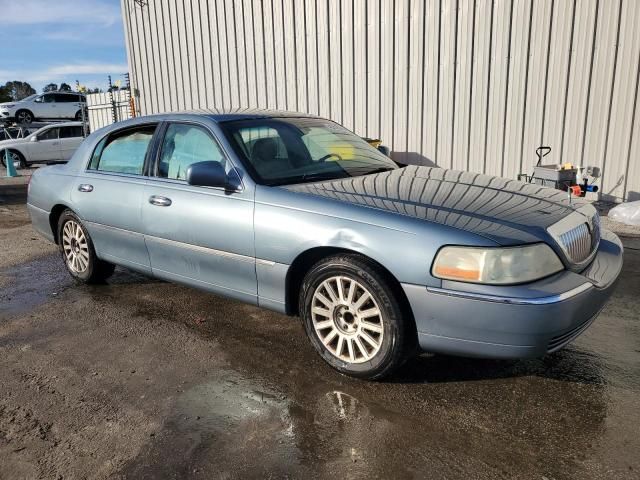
column 145, row 379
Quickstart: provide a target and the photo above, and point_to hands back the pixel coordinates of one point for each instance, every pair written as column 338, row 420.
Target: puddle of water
column 31, row 284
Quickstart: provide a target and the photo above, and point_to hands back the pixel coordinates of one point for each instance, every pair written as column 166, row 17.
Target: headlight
column 498, row 266
column 7, row 106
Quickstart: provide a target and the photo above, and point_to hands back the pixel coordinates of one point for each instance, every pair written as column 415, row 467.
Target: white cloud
column 86, row 68
column 30, row 12
column 64, row 72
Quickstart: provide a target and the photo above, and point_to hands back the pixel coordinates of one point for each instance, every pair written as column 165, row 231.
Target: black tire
column 78, row 116
column 96, row 270
column 24, row 116
column 22, row 163
column 393, row 349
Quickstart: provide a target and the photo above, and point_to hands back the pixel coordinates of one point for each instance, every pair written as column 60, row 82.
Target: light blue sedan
column 297, row 214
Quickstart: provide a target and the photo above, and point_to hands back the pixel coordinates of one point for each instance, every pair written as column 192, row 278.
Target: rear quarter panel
column 49, row 186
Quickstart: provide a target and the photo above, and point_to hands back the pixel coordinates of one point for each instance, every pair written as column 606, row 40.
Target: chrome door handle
column 85, row 187
column 159, row 201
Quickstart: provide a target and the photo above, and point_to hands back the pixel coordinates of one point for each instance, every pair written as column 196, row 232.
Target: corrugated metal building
column 468, row 84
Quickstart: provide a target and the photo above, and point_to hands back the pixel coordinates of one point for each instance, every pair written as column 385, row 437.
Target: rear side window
column 64, row 98
column 70, row 132
column 123, row 152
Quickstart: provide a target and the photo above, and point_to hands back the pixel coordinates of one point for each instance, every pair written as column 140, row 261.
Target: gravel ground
column 146, row 379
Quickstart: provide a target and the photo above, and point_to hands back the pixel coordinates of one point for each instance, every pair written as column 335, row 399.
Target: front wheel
column 352, row 317
column 15, row 157
column 78, row 252
column 24, row 116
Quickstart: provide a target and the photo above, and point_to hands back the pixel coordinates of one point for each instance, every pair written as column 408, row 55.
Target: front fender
column 288, row 223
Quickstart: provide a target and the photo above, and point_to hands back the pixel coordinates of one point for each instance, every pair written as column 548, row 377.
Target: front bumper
column 515, row 321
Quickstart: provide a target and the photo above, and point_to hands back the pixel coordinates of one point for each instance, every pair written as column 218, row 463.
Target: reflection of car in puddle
column 242, row 428
column 344, row 405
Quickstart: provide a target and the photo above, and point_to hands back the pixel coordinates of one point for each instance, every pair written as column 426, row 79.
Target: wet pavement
column 146, row 379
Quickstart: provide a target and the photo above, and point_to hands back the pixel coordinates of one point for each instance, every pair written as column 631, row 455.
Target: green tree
column 4, row 94
column 18, row 90
column 51, row 87
column 64, row 87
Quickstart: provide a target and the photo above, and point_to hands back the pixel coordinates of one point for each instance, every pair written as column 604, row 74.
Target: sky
column 45, row 41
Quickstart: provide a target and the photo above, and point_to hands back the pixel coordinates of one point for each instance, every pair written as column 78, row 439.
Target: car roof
column 228, row 115
column 56, row 125
column 63, row 124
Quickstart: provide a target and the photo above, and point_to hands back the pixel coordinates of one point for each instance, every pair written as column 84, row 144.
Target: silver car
column 297, row 214
column 51, row 144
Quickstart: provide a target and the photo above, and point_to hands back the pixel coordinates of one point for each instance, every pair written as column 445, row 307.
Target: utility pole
column 114, row 110
column 83, row 108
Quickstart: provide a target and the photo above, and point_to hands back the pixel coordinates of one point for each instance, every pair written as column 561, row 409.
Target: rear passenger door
column 70, row 139
column 67, row 105
column 201, row 236
column 108, row 196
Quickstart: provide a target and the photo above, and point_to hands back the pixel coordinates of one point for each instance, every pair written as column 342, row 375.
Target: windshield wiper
column 307, row 177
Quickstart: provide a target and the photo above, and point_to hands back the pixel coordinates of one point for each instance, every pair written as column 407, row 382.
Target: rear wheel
column 352, row 317
column 24, row 116
column 78, row 252
column 14, row 156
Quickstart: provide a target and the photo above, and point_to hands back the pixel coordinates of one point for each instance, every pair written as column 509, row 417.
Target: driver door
column 201, row 236
column 47, row 146
column 43, row 106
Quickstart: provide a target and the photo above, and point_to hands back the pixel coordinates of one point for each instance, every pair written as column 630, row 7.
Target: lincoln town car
column 297, row 214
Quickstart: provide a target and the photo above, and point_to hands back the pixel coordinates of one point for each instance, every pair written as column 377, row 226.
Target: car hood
column 506, row 211
column 12, row 142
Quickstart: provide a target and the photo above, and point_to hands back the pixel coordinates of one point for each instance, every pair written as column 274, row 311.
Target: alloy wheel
column 76, row 248
column 24, row 117
column 13, row 157
column 347, row 319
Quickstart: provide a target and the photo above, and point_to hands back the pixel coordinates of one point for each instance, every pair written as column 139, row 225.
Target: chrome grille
column 577, row 243
column 578, row 234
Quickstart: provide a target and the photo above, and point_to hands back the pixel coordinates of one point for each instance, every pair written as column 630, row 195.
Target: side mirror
column 34, row 138
column 384, row 149
column 207, row 174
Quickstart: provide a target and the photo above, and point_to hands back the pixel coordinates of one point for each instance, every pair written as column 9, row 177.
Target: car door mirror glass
column 207, row 174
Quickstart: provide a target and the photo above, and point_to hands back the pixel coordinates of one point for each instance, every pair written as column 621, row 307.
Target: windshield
column 30, row 97
column 281, row 151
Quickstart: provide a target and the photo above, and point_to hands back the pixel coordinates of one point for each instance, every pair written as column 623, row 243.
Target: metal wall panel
column 470, row 84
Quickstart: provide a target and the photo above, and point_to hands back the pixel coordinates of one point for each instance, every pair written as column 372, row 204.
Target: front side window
column 49, row 98
column 50, row 134
column 294, row 150
column 123, row 152
column 183, row 145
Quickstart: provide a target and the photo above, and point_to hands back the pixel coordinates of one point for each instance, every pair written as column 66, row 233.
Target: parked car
column 45, row 106
column 51, row 144
column 297, row 214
